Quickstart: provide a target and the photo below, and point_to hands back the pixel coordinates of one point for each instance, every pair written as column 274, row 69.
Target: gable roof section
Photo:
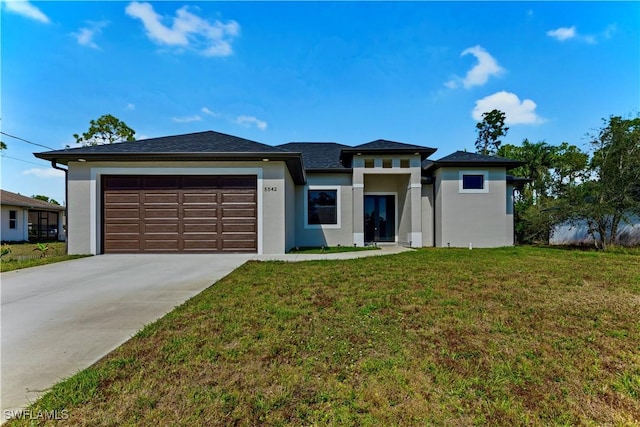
column 319, row 156
column 383, row 146
column 463, row 158
column 207, row 145
column 7, row 198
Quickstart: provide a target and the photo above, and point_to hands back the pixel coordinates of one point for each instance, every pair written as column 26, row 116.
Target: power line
column 28, row 142
column 4, row 156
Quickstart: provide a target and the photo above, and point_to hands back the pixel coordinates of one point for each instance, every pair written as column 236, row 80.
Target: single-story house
column 24, row 218
column 212, row 192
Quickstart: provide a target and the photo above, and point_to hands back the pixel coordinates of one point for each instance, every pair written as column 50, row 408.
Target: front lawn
column 24, row 255
column 510, row 337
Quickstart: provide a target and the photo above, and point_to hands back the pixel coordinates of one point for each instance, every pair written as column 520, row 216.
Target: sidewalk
column 384, row 250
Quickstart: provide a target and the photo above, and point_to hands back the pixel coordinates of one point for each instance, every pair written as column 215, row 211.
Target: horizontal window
column 474, row 182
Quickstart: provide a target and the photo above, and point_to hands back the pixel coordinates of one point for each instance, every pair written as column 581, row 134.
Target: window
column 13, row 220
column 404, row 163
column 474, row 182
column 322, row 207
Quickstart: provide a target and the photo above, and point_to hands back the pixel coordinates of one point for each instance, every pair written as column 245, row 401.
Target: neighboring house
column 212, row 192
column 25, row 218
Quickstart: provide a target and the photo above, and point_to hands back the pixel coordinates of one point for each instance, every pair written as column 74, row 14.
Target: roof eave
column 351, row 151
column 508, row 165
column 292, row 159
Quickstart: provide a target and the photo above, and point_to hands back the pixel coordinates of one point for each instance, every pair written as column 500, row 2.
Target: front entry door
column 379, row 218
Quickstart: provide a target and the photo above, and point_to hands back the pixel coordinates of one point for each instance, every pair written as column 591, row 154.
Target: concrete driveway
column 60, row 318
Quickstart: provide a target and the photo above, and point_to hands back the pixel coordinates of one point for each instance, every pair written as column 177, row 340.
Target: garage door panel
column 151, row 228
column 161, row 244
column 122, row 213
column 153, row 198
column 200, row 245
column 122, row 228
column 230, row 228
column 204, row 213
column 122, row 245
column 200, row 198
column 235, row 212
column 238, row 197
column 176, row 214
column 239, row 245
column 211, row 227
column 161, row 213
column 122, row 198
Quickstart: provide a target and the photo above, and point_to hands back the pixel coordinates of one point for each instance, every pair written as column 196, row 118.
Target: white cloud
column 571, row 33
column 187, row 119
column 208, row 112
column 85, row 35
column 248, row 121
column 486, row 67
column 516, row 111
column 24, row 8
column 130, row 106
column 44, row 173
column 187, row 30
column 562, row 33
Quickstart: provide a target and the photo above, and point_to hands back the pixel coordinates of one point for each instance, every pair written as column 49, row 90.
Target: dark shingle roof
column 200, row 142
column 383, row 146
column 207, row 145
column 318, row 155
column 8, row 198
column 463, row 158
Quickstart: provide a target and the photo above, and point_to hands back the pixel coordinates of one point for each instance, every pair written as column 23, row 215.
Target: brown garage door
column 179, row 214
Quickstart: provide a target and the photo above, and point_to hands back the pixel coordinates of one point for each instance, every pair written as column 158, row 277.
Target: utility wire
column 28, row 142
column 4, row 156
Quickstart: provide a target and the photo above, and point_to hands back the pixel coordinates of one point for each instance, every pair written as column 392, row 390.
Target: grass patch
column 330, row 249
column 25, row 255
column 513, row 337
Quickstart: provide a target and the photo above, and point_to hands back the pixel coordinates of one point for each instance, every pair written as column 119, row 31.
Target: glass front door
column 379, row 218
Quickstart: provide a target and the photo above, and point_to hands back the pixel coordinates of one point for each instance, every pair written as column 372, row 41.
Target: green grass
column 330, row 249
column 509, row 337
column 25, row 255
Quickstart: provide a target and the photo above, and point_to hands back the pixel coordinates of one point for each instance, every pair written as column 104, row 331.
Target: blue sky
column 348, row 72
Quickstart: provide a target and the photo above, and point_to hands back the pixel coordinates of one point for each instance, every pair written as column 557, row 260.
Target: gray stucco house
column 212, row 192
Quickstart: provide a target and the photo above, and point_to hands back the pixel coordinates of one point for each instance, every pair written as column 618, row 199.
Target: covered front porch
column 387, row 208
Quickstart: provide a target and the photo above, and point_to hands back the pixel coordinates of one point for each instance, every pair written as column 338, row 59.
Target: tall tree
column 106, row 129
column 537, row 206
column 490, row 130
column 613, row 191
column 3, row 146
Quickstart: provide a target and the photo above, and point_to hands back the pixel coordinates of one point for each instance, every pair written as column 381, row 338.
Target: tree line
column 599, row 187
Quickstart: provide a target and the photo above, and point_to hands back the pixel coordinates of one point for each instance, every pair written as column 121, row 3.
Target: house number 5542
column 267, row 189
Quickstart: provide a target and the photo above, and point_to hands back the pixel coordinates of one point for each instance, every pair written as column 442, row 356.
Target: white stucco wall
column 85, row 202
column 479, row 219
column 325, row 235
column 21, row 232
column 427, row 215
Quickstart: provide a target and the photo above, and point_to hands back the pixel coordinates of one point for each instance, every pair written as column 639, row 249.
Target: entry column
column 358, row 207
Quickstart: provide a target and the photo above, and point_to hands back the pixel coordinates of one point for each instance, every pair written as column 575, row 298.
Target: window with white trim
column 474, row 182
column 322, row 207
